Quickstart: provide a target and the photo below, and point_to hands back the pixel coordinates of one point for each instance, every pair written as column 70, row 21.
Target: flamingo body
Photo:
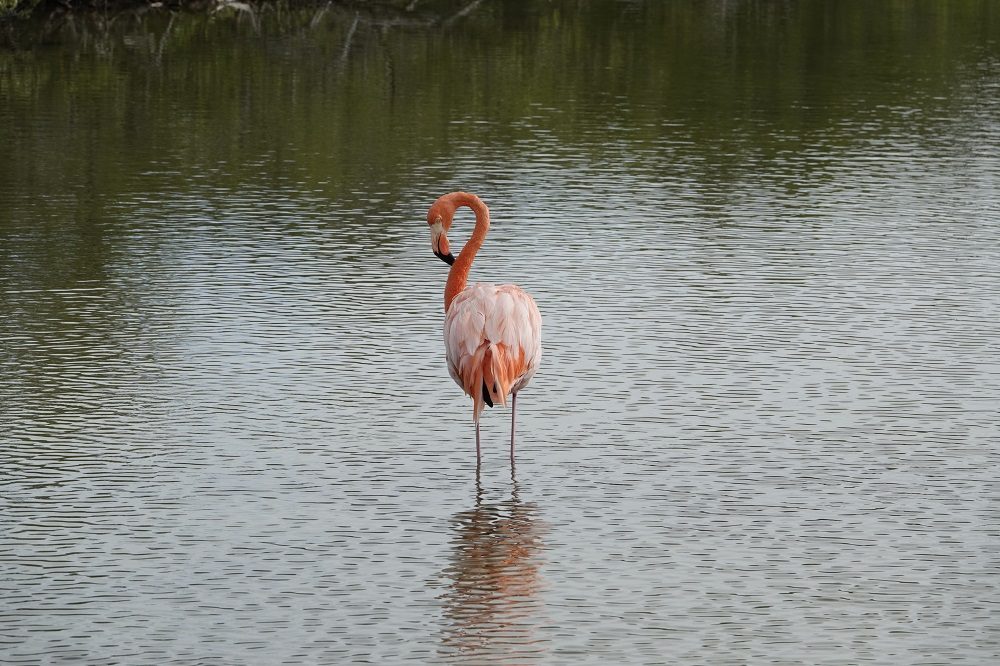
column 492, row 339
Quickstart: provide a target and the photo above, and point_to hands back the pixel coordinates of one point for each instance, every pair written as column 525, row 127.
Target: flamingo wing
column 492, row 336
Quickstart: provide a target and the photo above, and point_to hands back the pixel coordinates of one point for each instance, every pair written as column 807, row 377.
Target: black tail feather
column 486, row 395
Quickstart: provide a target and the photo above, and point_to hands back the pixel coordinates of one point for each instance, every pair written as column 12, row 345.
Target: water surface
column 764, row 238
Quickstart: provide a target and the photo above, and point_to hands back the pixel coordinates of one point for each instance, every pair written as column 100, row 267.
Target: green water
column 92, row 111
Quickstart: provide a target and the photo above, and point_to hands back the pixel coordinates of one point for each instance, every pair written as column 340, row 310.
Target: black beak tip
column 446, row 258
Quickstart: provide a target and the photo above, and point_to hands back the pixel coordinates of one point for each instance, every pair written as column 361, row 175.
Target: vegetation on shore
column 23, row 8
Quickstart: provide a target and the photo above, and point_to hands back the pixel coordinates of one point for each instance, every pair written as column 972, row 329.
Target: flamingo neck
column 459, row 274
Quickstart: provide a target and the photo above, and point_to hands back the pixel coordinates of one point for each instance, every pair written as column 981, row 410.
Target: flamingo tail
column 490, row 378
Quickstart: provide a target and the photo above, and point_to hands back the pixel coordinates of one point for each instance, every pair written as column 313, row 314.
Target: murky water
column 765, row 240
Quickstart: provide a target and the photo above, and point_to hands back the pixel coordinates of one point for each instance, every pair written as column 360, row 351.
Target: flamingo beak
column 439, row 243
column 446, row 258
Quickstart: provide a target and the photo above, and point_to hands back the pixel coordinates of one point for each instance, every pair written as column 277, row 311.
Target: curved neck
column 459, row 274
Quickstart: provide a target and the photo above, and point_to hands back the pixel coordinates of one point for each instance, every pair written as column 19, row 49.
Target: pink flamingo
column 492, row 333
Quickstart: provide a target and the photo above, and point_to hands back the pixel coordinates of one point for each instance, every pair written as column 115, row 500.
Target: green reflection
column 335, row 99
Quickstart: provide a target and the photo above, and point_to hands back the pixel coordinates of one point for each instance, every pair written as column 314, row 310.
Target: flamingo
column 492, row 333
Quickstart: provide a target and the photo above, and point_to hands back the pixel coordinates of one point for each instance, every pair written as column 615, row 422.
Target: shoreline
column 28, row 9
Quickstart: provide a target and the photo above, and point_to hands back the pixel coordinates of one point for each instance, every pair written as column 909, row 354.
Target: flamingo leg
column 477, row 445
column 513, row 406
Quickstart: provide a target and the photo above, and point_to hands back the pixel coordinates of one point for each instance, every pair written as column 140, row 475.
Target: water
column 764, row 239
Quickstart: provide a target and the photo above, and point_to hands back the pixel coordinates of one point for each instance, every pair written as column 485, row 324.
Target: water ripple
column 764, row 429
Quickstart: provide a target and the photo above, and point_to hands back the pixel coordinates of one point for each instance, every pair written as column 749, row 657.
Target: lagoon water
column 765, row 241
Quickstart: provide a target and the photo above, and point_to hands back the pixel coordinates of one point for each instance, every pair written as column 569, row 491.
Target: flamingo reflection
column 492, row 605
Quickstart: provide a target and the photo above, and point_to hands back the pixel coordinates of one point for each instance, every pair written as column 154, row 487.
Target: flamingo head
column 439, row 218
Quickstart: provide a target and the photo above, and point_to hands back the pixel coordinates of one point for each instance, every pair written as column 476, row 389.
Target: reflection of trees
column 718, row 82
column 491, row 605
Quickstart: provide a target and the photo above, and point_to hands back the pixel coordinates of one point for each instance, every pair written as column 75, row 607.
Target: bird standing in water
column 492, row 333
